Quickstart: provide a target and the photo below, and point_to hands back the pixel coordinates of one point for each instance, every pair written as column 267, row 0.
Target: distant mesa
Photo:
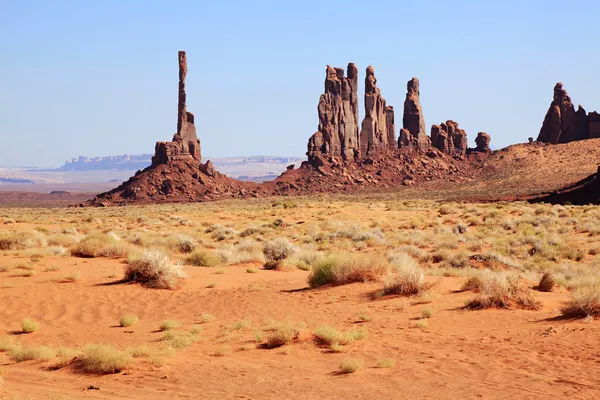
column 563, row 124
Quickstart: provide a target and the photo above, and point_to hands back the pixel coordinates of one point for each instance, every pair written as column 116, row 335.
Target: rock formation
column 338, row 134
column 594, row 125
column 483, row 142
column 185, row 144
column 563, row 124
column 378, row 130
column 449, row 138
column 412, row 120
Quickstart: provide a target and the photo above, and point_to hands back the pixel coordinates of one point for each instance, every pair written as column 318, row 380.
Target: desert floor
column 63, row 269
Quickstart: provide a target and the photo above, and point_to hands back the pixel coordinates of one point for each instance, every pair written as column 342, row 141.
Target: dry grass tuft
column 585, row 300
column 547, row 283
column 276, row 251
column 169, row 325
column 406, row 278
column 38, row 353
column 350, row 365
column 283, row 333
column 154, row 269
column 341, row 269
column 128, row 320
column 103, row 359
column 502, row 291
column 29, row 325
column 386, row 363
column 202, row 258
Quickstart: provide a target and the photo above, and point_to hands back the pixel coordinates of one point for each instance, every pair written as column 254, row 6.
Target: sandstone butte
column 344, row 155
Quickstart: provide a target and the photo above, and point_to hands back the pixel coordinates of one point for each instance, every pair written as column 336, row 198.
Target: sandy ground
column 504, row 354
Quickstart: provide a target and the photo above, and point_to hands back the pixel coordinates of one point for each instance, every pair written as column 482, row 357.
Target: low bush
column 128, row 320
column 350, row 365
column 29, row 325
column 276, row 251
column 202, row 258
column 103, row 359
column 154, row 269
column 406, row 278
column 339, row 269
column 585, row 300
column 502, row 291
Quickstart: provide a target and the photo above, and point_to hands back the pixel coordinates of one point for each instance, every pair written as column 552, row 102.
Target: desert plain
column 354, row 296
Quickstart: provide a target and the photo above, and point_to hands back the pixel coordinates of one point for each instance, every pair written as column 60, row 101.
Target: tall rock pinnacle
column 412, row 119
column 337, row 135
column 375, row 134
column 185, row 144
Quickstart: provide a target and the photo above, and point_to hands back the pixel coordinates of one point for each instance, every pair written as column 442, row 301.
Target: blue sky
column 100, row 77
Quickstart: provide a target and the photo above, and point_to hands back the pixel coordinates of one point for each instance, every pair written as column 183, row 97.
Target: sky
column 98, row 78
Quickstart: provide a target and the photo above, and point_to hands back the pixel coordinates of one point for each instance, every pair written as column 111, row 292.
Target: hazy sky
column 100, row 77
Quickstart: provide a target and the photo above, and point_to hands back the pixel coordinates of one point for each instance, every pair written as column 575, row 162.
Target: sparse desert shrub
column 547, row 282
column 329, row 336
column 7, row 343
column 461, row 228
column 427, row 312
column 154, row 269
column 100, row 245
column 339, row 269
column 29, row 325
column 386, row 363
column 128, row 320
column 185, row 244
column 202, row 258
column 72, row 277
column 249, row 232
column 283, row 333
column 21, row 240
column 406, row 278
column 39, row 353
column 56, row 250
column 502, row 291
column 222, row 351
column 350, row 365
column 247, row 251
column 276, row 251
column 180, row 340
column 585, row 300
column 141, row 351
column 103, row 359
column 206, row 318
column 446, row 209
column 169, row 324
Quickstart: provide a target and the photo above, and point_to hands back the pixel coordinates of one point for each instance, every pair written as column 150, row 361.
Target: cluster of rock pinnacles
column 340, row 135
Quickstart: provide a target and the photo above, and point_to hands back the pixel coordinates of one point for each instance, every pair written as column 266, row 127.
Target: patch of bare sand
column 460, row 354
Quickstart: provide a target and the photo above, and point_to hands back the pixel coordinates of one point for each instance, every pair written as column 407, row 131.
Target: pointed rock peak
column 413, row 86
